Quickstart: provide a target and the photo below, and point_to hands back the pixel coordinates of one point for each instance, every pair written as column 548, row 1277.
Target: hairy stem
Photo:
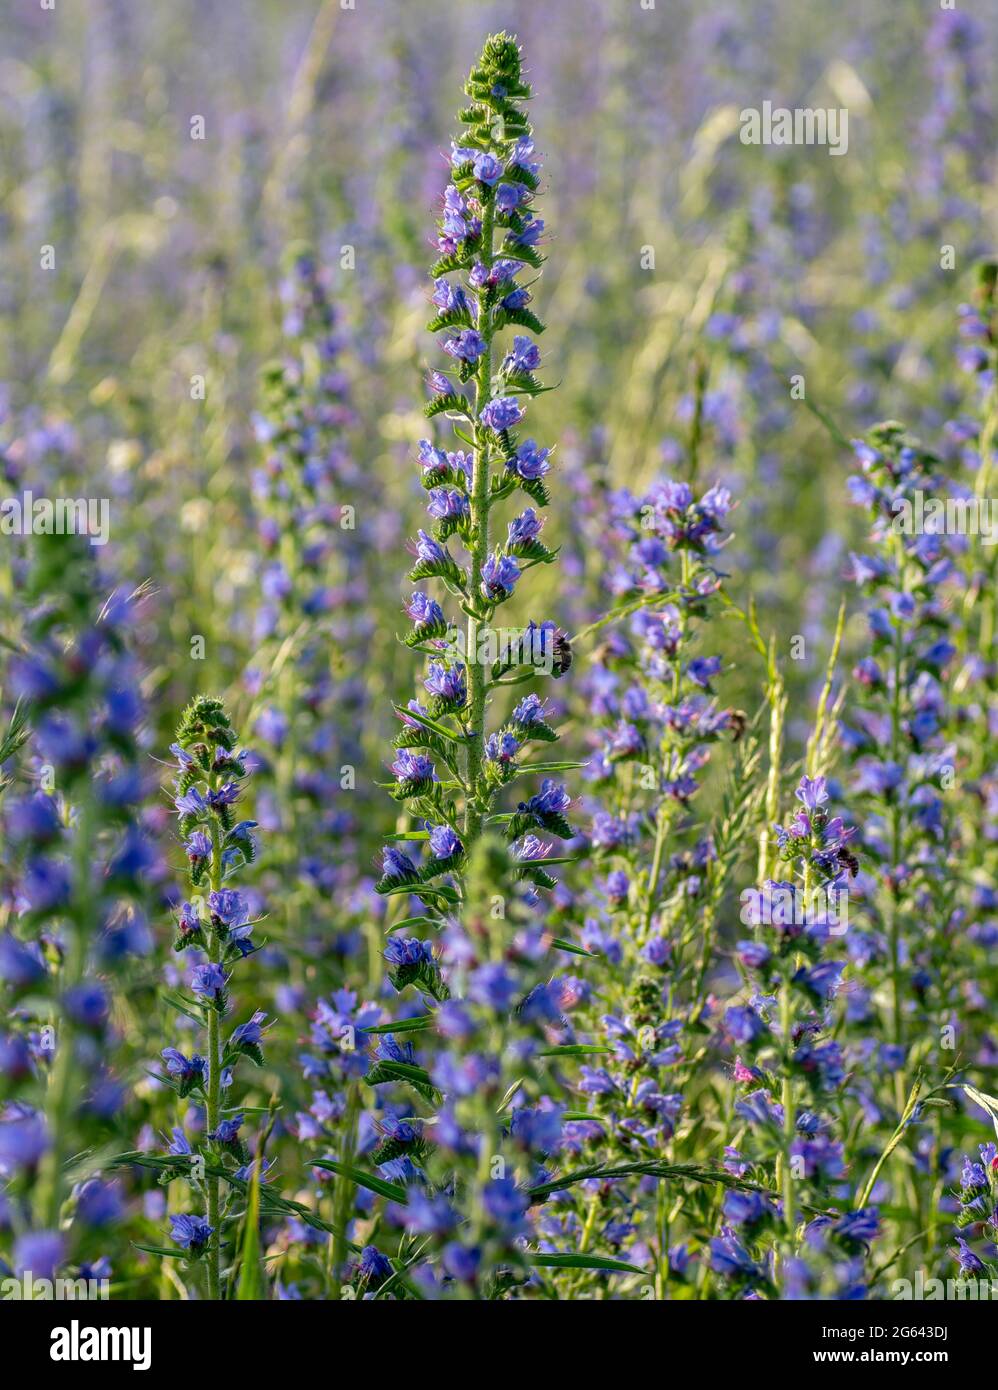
column 480, row 501
column 213, row 1254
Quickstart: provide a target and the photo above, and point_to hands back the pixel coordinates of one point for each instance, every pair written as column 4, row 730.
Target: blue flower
column 425, row 611
column 502, row 413
column 447, row 683
column 228, row 906
column 530, row 462
column 209, row 981
column 524, row 356
column 499, row 575
column 250, row 1034
column 529, row 711
column 444, row 842
column 190, row 1232
column 408, row 950
column 373, row 1267
column 487, row 169
column 39, row 1253
column 467, row 346
column 396, row 864
column 506, row 1204
column 185, row 1069
column 227, row 1132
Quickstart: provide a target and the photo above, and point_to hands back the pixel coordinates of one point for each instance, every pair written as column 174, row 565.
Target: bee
column 850, row 861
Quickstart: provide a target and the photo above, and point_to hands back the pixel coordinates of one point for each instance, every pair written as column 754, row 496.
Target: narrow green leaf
column 394, row 1191
column 583, row 1262
column 402, row 1025
column 560, row 944
column 575, row 1050
column 250, row 1288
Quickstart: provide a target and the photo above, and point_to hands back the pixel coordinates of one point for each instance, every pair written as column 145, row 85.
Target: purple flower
column 39, row 1253
column 272, row 726
column 396, row 864
column 811, row 792
column 506, row 1204
column 493, row 986
column 529, row 711
column 730, row 1258
column 508, row 197
column 821, row 980
column 190, row 1232
column 99, row 1203
column 229, row 907
column 447, row 683
column 34, row 819
column 209, row 981
column 551, row 800
column 447, row 296
column 502, row 413
column 501, row 748
column 532, row 232
column 702, row 668
column 373, row 1267
column 743, row 1024
column 413, row 767
column 408, row 950
column 499, row 575
column 530, row 462
column 448, row 504
column 468, row 346
column 526, row 527
column 22, row 1142
column 444, row 842
column 198, row 847
column 487, row 169
column 969, row 1262
column 88, row 1005
column 249, row 1034
column 524, row 356
column 46, row 884
column 20, row 965
column 425, row 611
column 430, row 551
column 188, row 1070
column 227, row 1132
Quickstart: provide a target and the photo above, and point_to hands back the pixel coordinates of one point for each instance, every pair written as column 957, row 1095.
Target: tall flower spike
column 487, row 992
column 84, row 883
column 214, row 923
column 450, row 768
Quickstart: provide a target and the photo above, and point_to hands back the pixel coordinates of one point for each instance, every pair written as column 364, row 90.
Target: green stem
column 343, row 1198
column 475, row 810
column 787, row 1101
column 50, row 1186
column 892, row 906
column 213, row 1254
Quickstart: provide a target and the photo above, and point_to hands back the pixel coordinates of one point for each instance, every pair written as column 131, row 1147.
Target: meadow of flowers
column 498, row 672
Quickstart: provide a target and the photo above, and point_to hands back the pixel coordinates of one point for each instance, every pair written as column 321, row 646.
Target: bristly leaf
column 448, row 402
